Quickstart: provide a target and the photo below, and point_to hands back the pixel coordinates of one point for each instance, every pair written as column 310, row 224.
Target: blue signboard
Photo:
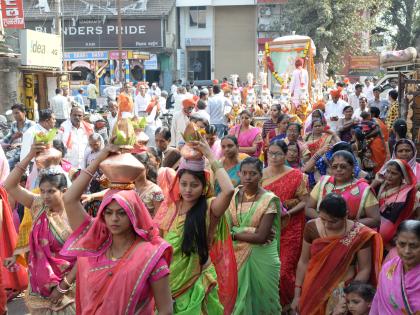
column 86, row 55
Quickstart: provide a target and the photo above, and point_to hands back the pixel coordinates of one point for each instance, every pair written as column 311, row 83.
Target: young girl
column 358, row 299
column 368, row 164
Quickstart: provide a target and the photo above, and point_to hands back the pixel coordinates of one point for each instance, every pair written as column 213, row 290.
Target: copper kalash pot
column 48, row 157
column 121, row 169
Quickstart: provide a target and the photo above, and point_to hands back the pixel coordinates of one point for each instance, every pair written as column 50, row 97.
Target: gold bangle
column 87, row 172
column 67, row 282
column 20, row 167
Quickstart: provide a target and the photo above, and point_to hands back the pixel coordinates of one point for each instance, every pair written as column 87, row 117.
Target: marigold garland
column 270, row 65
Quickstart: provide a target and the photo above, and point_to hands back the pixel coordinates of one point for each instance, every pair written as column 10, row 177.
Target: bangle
column 298, row 286
column 216, row 165
column 87, row 172
column 67, row 282
column 316, row 156
column 62, row 291
column 23, row 169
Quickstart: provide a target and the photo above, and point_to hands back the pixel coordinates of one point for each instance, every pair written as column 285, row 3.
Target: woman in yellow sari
column 193, row 223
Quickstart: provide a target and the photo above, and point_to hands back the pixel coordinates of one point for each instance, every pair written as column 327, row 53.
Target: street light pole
column 121, row 76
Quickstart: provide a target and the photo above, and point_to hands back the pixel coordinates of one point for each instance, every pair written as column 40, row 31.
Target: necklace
column 345, row 230
column 242, row 201
column 245, row 194
column 334, row 189
column 111, row 251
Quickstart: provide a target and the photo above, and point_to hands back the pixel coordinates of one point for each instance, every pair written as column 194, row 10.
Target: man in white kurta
column 334, row 109
column 75, row 137
column 299, row 83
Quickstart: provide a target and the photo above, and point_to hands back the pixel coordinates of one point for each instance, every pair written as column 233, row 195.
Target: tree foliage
column 404, row 16
column 335, row 24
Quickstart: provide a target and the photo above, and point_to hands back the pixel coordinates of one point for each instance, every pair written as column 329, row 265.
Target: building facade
column 219, row 38
column 90, row 38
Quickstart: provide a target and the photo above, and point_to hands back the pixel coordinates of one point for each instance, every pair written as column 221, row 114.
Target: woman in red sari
column 290, row 185
column 335, row 252
column 122, row 242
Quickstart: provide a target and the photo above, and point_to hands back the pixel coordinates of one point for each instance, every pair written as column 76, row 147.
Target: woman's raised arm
column 12, row 183
column 72, row 198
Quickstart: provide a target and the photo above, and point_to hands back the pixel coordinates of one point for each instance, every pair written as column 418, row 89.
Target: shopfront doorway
column 199, row 64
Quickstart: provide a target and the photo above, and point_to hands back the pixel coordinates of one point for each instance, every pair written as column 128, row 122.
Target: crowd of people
column 244, row 205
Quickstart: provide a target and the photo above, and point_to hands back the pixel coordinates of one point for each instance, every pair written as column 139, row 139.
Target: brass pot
column 121, row 168
column 48, row 157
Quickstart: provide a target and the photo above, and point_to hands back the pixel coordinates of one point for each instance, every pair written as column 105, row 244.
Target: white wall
column 192, row 32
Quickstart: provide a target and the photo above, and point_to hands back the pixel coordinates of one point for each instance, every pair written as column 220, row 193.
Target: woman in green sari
column 194, row 224
column 254, row 218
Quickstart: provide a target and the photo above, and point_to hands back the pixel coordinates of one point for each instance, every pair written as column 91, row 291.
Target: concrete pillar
column 8, row 82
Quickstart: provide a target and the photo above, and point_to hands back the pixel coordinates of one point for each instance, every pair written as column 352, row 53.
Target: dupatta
column 397, row 205
column 100, row 279
column 330, row 260
column 221, row 246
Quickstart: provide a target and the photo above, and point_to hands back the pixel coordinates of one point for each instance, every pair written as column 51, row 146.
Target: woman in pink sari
column 398, row 291
column 122, row 242
column 51, row 274
column 249, row 137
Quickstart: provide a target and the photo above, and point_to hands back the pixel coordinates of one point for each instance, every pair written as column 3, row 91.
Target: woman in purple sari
column 249, row 137
column 51, row 274
column 398, row 291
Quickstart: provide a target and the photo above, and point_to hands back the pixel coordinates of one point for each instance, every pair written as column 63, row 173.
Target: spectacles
column 274, row 155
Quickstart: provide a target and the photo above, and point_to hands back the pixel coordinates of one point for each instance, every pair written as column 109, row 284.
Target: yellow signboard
column 28, row 82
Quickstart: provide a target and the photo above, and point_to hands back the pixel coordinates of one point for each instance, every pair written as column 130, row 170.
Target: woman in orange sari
column 335, row 252
column 290, row 185
column 379, row 144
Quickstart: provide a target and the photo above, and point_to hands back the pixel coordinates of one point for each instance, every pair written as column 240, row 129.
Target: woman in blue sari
column 231, row 160
column 318, row 164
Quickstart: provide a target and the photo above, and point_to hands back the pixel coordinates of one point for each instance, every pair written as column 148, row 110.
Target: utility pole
column 121, row 74
column 58, row 21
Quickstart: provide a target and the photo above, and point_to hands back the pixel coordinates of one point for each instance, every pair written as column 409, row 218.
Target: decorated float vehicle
column 289, row 61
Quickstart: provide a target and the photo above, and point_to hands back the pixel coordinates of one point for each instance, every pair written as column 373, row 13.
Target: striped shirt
column 267, row 127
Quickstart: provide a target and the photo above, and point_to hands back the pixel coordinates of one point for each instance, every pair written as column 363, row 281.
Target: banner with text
column 12, row 14
column 103, row 33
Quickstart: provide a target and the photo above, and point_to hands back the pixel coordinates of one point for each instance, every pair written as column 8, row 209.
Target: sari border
column 139, row 285
column 268, row 181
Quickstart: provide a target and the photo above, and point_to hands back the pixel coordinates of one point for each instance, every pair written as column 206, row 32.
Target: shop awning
column 51, row 70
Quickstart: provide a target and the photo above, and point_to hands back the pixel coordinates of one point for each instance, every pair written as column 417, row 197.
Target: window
column 198, row 17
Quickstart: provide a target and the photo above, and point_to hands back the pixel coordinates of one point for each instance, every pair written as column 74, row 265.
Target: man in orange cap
column 334, row 109
column 181, row 120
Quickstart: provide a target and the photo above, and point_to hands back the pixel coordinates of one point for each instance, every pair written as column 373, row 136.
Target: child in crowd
column 368, row 165
column 358, row 299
